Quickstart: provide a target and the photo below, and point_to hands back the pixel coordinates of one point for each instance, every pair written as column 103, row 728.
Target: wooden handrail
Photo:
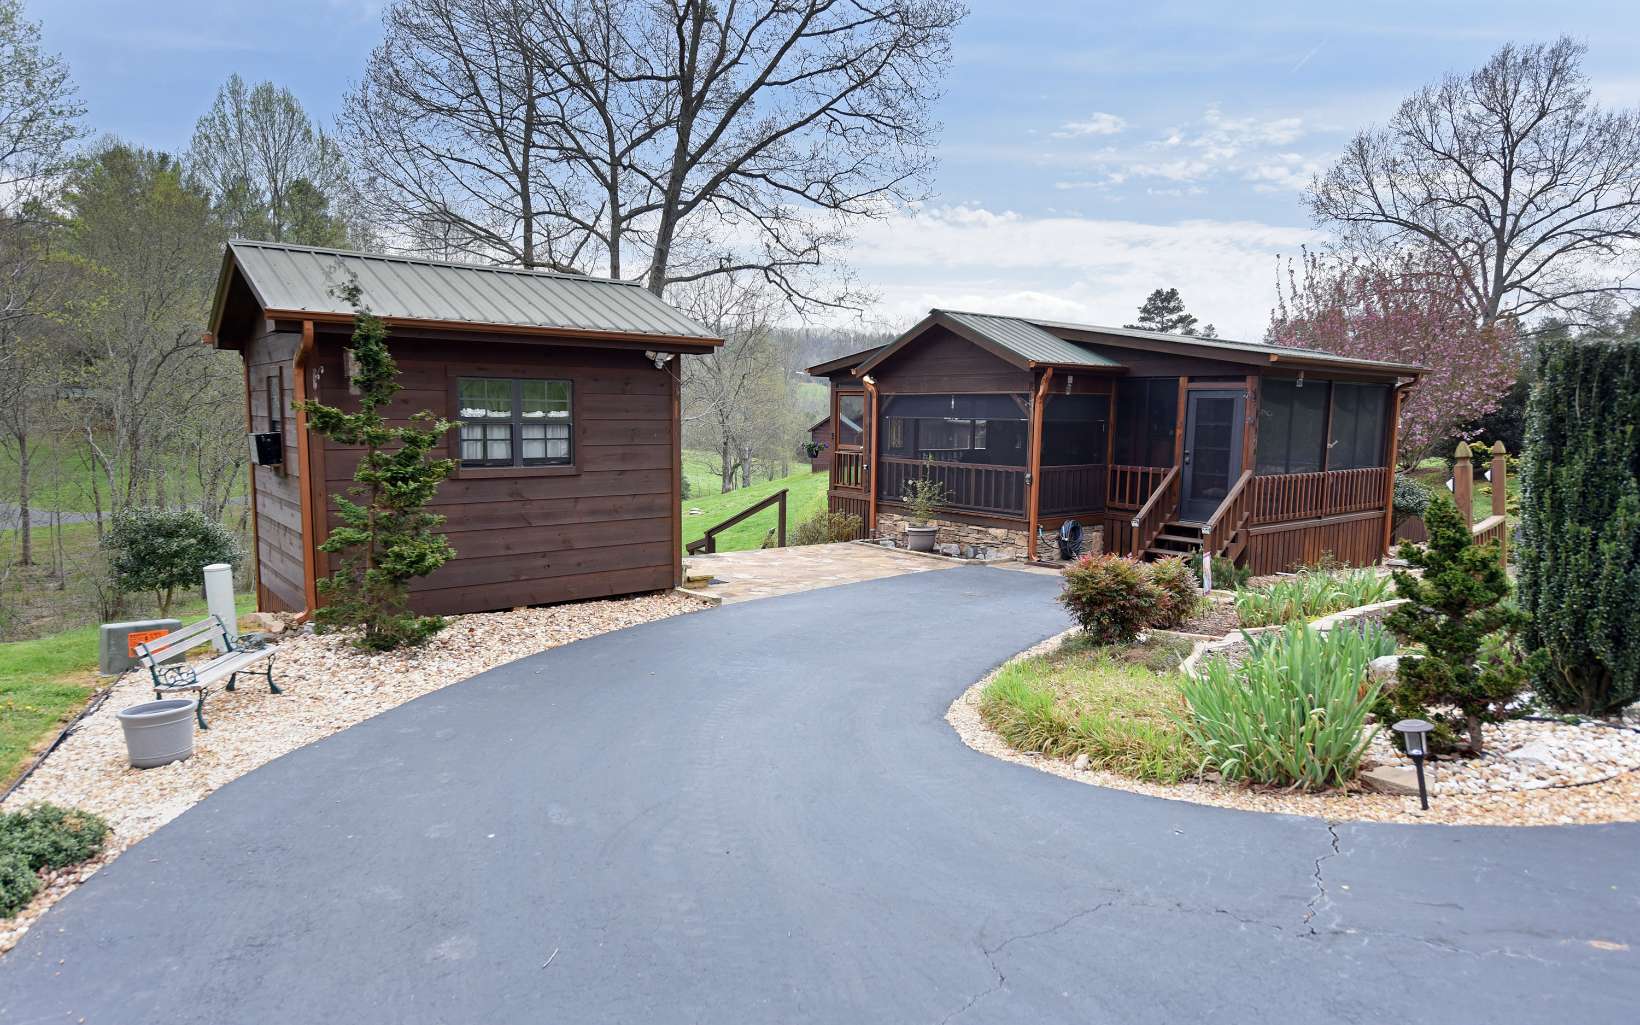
column 708, row 542
column 1143, row 537
column 1219, row 523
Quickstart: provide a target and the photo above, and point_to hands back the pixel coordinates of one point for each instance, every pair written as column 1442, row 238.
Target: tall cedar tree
column 1164, row 311
column 390, row 538
column 1580, row 523
column 1451, row 611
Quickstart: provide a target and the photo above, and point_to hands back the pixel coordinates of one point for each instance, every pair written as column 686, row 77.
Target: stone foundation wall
column 1002, row 540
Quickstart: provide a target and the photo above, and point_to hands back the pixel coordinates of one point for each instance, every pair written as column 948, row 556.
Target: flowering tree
column 1408, row 309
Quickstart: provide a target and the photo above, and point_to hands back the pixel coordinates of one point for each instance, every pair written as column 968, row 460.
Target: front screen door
column 1212, row 451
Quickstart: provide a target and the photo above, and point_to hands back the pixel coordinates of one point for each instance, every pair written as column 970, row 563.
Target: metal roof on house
column 293, row 281
column 1227, row 344
column 1030, row 342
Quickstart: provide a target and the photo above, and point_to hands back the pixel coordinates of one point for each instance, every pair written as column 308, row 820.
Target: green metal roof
column 1029, row 341
column 293, row 280
column 1230, row 345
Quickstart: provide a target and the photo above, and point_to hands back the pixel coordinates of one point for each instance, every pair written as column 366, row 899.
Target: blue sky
column 1091, row 152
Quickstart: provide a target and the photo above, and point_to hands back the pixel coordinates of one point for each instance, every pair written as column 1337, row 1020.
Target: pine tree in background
column 1579, row 554
column 1164, row 311
column 1453, row 610
column 389, row 538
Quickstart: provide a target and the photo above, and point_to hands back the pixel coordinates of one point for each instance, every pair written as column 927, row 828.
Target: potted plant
column 923, row 495
column 812, row 449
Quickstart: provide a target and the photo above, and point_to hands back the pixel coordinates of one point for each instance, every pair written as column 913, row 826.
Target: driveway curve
column 758, row 814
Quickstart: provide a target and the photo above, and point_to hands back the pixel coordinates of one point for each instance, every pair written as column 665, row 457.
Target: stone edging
column 1322, row 625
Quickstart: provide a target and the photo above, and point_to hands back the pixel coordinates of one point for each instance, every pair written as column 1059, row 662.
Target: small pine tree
column 1579, row 551
column 389, row 538
column 1164, row 311
column 1451, row 611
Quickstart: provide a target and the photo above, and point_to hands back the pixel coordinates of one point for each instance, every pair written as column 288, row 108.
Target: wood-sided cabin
column 1162, row 444
column 568, row 477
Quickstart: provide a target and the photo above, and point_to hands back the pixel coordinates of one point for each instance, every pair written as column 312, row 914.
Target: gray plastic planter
column 920, row 539
column 158, row 732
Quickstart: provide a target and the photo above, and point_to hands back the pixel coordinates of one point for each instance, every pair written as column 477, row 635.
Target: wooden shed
column 568, row 480
column 1167, row 444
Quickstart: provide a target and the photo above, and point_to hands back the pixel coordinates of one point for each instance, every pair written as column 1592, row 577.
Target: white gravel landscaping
column 328, row 686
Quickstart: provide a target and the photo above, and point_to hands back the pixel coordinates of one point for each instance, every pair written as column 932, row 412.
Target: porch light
column 1414, row 738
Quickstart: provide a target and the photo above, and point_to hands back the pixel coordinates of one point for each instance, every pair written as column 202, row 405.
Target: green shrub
column 49, row 836
column 827, row 527
column 18, row 883
column 1309, row 595
column 161, row 550
column 1411, row 498
column 1179, row 593
column 1112, row 597
column 1123, row 716
column 1293, row 713
column 39, row 837
column 1227, row 576
column 1579, row 550
column 1458, row 601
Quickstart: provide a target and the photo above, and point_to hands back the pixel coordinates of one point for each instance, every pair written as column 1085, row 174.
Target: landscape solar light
column 1415, row 740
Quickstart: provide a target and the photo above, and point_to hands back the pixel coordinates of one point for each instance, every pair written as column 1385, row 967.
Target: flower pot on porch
column 920, row 539
column 158, row 732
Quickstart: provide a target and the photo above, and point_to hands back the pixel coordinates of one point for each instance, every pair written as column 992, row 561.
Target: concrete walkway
column 758, row 814
column 767, row 572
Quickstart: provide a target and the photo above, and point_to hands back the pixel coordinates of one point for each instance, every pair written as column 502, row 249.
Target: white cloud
column 1070, row 268
column 1212, row 147
column 1097, row 123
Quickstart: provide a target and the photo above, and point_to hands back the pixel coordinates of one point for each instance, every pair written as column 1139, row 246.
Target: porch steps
column 1176, row 539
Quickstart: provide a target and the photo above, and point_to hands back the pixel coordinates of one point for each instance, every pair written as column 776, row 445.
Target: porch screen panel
column 984, row 429
column 851, row 414
column 1360, row 412
column 1074, row 430
column 1147, row 417
column 1292, row 426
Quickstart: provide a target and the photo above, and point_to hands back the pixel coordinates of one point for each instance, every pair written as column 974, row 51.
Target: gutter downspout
column 871, row 466
column 1033, row 494
column 310, row 556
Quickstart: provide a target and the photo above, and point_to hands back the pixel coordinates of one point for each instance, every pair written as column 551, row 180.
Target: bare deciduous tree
column 725, row 391
column 1512, row 174
column 272, row 175
column 678, row 140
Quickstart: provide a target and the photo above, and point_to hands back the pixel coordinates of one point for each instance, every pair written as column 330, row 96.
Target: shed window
column 1359, row 414
column 1292, row 426
column 1147, row 417
column 507, row 422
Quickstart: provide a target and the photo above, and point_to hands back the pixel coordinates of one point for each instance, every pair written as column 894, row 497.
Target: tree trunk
column 1475, row 739
column 726, row 479
column 746, row 466
column 25, row 535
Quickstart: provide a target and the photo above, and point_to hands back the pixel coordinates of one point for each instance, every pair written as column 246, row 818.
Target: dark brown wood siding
column 941, row 361
column 269, row 359
column 607, row 528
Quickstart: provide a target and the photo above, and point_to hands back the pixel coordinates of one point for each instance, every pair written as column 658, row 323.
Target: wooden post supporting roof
column 870, row 426
column 1033, row 464
column 1397, row 399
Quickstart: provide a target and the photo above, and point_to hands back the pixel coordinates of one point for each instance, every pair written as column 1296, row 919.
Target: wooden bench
column 199, row 676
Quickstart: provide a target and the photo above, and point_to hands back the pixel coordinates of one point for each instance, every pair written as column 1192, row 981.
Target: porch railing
column 847, row 469
column 1161, row 506
column 1230, row 517
column 1130, row 485
column 1072, row 489
column 1301, row 496
column 976, row 487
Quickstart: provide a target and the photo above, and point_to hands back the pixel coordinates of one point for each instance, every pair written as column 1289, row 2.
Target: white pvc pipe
column 219, row 597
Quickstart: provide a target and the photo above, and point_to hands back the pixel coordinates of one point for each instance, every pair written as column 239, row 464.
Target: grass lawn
column 45, row 681
column 1115, row 704
column 807, row 496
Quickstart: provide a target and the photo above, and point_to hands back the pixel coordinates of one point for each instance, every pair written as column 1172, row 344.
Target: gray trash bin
column 158, row 732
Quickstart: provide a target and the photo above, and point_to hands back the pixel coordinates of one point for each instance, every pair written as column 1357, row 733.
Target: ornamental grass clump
column 1293, row 714
column 1310, row 595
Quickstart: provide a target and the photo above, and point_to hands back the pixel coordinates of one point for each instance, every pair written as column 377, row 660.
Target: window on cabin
column 1147, row 418
column 512, row 422
column 1360, row 412
column 1292, row 425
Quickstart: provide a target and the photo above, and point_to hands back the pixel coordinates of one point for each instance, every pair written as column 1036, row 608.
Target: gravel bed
column 328, row 687
column 1554, row 798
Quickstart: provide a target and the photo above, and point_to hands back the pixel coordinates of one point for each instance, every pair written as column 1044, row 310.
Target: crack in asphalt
column 1001, row 976
column 1318, row 901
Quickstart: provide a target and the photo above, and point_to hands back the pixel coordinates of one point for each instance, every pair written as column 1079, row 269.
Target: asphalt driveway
column 758, row 814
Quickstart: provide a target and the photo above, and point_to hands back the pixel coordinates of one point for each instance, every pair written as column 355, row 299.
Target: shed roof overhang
column 242, row 302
